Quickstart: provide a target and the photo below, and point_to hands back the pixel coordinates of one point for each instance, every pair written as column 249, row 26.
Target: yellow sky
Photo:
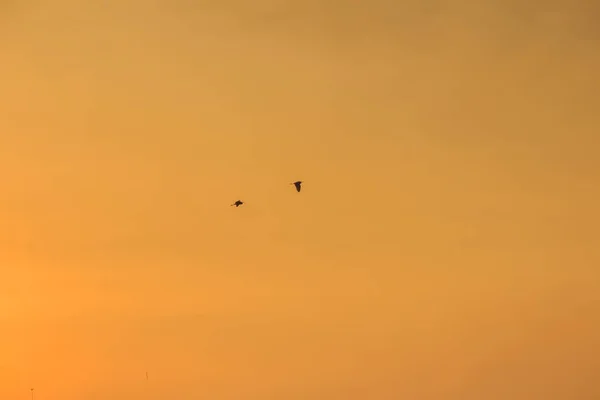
column 445, row 245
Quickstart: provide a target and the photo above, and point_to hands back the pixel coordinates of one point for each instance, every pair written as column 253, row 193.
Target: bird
column 297, row 184
column 238, row 203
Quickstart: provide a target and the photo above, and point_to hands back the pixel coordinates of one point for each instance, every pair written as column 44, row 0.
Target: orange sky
column 445, row 245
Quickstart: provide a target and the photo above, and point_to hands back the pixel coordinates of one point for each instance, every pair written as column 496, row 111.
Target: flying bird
column 238, row 203
column 297, row 184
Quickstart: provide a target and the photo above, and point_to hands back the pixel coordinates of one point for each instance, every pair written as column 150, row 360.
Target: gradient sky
column 445, row 245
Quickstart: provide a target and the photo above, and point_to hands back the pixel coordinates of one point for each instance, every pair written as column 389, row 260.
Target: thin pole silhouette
column 31, row 393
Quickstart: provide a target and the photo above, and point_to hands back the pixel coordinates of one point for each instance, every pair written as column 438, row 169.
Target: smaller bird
column 238, row 203
column 297, row 184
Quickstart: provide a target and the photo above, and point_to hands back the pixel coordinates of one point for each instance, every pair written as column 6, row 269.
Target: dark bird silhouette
column 297, row 184
column 238, row 203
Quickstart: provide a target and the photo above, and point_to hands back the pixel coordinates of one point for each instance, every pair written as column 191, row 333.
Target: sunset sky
column 445, row 245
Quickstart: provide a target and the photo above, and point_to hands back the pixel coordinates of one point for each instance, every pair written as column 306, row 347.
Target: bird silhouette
column 238, row 203
column 297, row 184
